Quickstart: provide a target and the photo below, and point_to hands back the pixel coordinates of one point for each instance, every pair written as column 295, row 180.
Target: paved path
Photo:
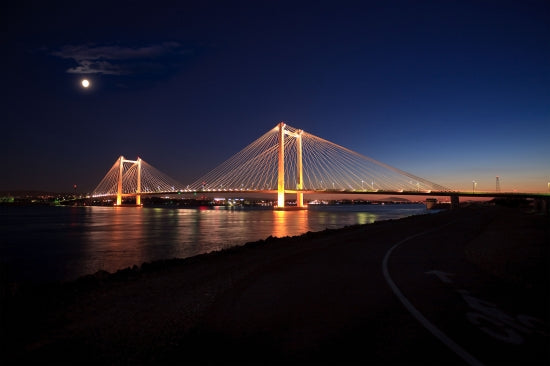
column 415, row 300
column 480, row 318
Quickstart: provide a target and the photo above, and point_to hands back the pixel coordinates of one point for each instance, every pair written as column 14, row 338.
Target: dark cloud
column 117, row 59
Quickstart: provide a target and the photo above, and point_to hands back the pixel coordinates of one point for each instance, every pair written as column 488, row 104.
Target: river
column 45, row 244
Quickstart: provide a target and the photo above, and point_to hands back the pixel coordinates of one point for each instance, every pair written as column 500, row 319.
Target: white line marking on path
column 471, row 360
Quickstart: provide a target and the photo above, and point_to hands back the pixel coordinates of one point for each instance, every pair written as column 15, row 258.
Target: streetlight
column 474, row 184
column 364, row 188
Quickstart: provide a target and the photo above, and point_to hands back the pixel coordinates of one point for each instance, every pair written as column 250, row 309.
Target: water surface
column 63, row 243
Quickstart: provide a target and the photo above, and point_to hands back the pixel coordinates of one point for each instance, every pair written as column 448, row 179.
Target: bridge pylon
column 281, row 168
column 121, row 161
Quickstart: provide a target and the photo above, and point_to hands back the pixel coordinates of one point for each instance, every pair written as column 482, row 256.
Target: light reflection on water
column 63, row 243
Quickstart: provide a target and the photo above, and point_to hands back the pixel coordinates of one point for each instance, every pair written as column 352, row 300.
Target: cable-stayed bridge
column 284, row 160
column 134, row 178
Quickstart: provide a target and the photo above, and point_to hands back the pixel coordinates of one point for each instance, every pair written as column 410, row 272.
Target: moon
column 85, row 83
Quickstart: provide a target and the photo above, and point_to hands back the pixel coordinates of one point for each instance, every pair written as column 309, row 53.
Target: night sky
column 451, row 91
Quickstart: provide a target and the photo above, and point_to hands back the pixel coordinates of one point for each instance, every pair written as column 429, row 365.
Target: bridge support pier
column 455, row 202
column 542, row 205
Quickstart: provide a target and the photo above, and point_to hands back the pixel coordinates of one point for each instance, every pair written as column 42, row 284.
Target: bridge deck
column 354, row 192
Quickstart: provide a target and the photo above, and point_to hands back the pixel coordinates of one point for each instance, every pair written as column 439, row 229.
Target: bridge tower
column 119, row 195
column 281, row 174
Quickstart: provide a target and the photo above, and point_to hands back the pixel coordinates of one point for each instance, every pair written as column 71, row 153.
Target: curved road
column 413, row 300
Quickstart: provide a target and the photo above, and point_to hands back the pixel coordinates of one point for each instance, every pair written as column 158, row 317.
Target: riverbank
column 190, row 310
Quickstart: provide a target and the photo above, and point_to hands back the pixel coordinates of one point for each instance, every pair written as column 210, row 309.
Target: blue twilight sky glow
column 452, row 91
